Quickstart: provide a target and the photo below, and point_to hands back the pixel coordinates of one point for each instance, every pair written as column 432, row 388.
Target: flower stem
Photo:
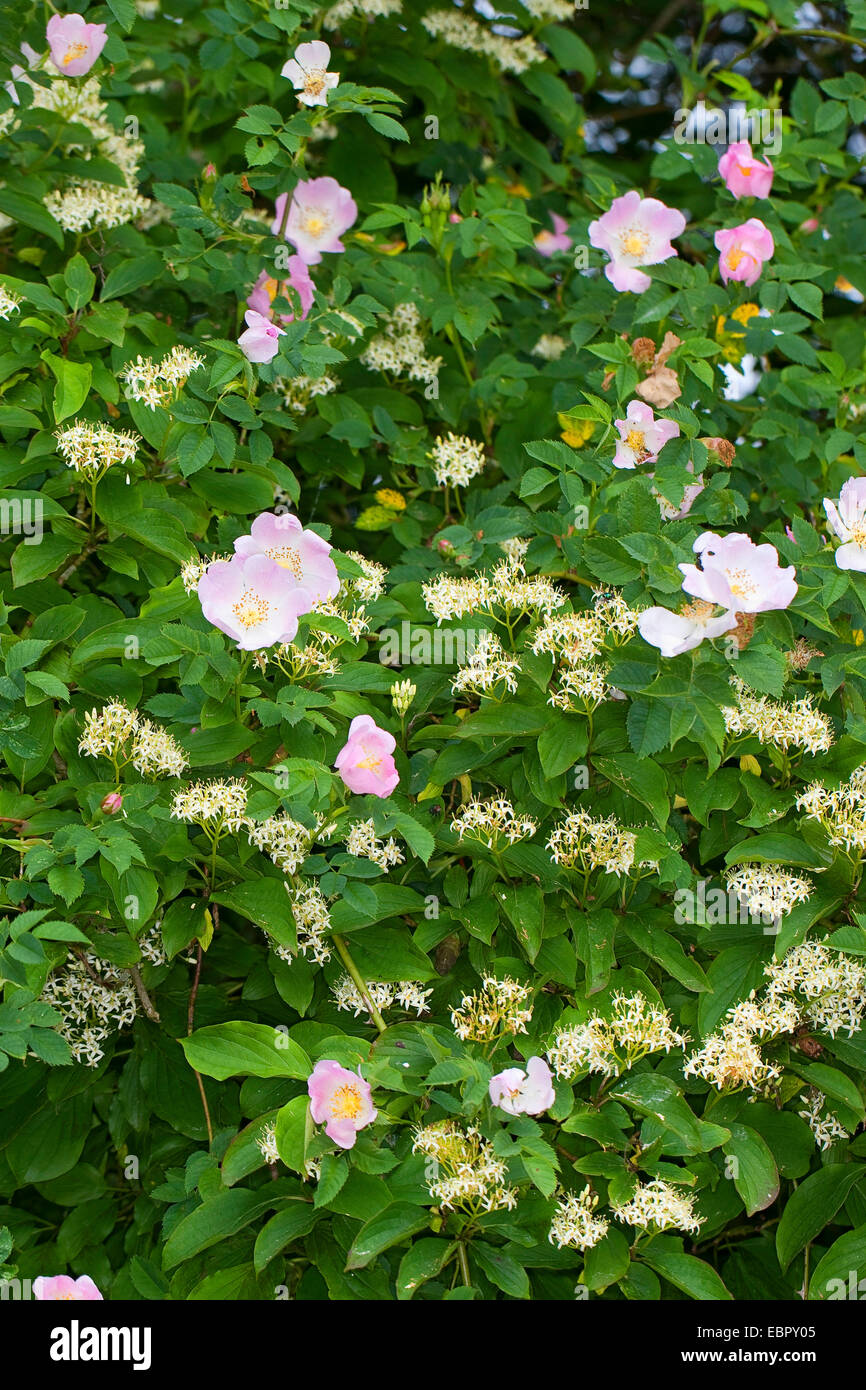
column 359, row 981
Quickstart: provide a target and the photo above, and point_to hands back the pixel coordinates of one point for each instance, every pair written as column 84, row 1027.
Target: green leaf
column 501, row 1269
column 244, row 1049
column 700, row 1281
column 392, row 1226
column 755, row 1174
column 73, row 383
column 814, row 1204
column 424, row 1260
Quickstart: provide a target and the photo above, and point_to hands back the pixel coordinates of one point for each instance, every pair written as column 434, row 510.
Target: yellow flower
column 575, row 432
column 388, row 497
column 731, row 340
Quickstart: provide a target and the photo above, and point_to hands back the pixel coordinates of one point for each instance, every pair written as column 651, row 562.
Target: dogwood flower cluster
column 463, row 1172
column 119, row 734
column 92, row 449
column 828, row 987
column 94, row 1000
column 400, row 349
column 406, row 994
column 159, row 383
column 312, row 919
column 214, row 805
column 493, row 822
column 796, row 725
column 767, row 890
column 9, row 301
column 363, row 842
column 824, row 1124
column 457, row 459
column 731, row 1059
column 585, row 842
column 840, row 810
column 657, row 1206
column 506, row 587
column 284, row 840
column 574, row 1222
column 488, row 666
column 456, row 28
column 88, row 204
column 497, row 1009
column 298, row 391
column 636, row 1027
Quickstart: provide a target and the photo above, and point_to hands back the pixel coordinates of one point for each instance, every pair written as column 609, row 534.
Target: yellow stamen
column 74, row 51
column 346, row 1103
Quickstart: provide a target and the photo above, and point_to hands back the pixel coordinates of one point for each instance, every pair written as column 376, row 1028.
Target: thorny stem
column 359, row 981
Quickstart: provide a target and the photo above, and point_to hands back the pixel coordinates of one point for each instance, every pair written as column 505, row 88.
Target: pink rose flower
column 260, row 340
column 266, row 289
column 341, row 1101
column 321, row 211
column 63, row 1289
column 365, row 762
column 75, row 45
column 303, row 553
column 744, row 175
column 675, row 633
column 308, row 73
column 519, row 1092
column 847, row 519
column 743, row 250
column 558, row 240
column 253, row 600
column 641, row 436
column 635, row 231
column 739, row 575
column 112, row 803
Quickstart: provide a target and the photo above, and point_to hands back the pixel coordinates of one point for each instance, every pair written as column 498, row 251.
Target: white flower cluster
column 768, row 891
column 636, row 1027
column 304, row 663
column 406, row 994
column 213, row 805
column 829, row 986
column 158, row 383
column 550, row 346
column 491, row 822
column 370, row 585
column 585, row 842
column 400, row 348
column 9, row 301
column 94, row 1000
column 267, row 1144
column 363, row 842
column 194, row 568
column 285, row 840
column 658, row 1206
column 797, row 725
column 488, row 666
column 497, row 1008
column 361, row 9
column 456, row 28
column 298, row 391
column 574, row 1222
column 87, row 204
column 841, row 810
column 812, row 984
column 313, row 921
column 118, row 733
column 506, row 587
column 824, row 1125
column 151, row 945
column 462, row 1172
column 92, row 449
column 457, row 459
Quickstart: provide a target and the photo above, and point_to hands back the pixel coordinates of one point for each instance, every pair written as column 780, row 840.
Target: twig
column 143, row 995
